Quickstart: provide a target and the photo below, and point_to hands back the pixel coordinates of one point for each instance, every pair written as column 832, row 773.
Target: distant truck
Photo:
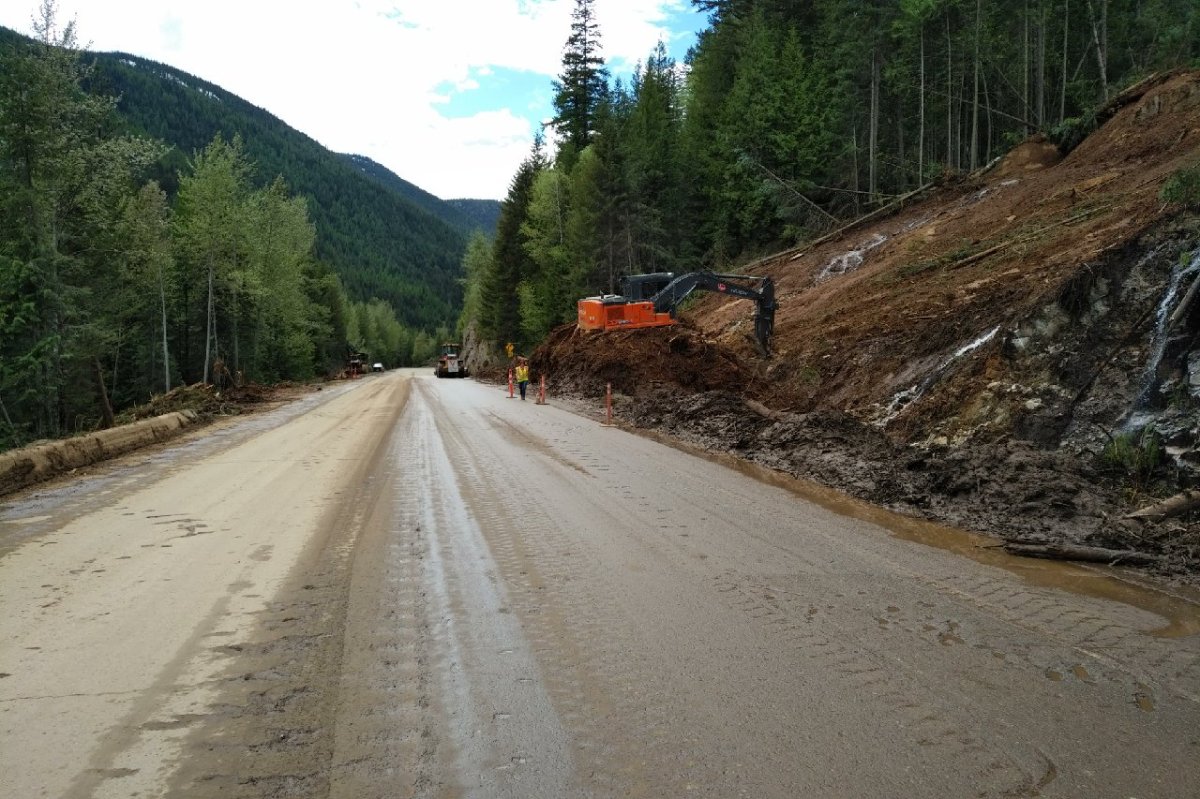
column 450, row 363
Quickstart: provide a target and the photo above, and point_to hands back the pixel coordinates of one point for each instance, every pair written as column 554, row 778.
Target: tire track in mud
column 1014, row 636
column 560, row 591
column 838, row 655
column 1125, row 655
column 972, row 674
column 272, row 730
column 907, row 706
column 390, row 735
column 508, row 740
column 622, row 743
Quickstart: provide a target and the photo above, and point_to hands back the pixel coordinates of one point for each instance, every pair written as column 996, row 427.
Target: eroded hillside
column 1016, row 352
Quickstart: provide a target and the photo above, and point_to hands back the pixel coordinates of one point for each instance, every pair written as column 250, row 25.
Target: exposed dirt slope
column 969, row 356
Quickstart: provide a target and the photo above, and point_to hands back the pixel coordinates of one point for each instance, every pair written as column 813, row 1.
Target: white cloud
column 371, row 76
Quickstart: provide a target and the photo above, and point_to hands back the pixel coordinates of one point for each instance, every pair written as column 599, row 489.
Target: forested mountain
column 788, row 119
column 379, row 241
column 483, row 214
column 466, row 215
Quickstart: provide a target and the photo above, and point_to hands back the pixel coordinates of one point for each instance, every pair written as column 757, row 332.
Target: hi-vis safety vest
column 522, row 374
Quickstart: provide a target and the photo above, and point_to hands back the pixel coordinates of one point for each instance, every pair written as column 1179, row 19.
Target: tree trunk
column 902, row 173
column 106, row 410
column 237, row 350
column 975, row 89
column 9, row 422
column 1039, row 83
column 987, row 99
column 950, row 164
column 208, row 324
column 1062, row 97
column 1100, row 40
column 1182, row 309
column 873, row 129
column 921, row 113
column 1113, row 557
column 1025, row 68
column 1168, row 508
column 116, row 364
column 162, row 297
column 854, row 167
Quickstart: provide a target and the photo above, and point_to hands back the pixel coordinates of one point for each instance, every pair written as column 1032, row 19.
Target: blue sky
column 530, row 93
column 445, row 93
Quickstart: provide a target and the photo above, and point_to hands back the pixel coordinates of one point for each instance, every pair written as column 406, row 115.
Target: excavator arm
column 668, row 299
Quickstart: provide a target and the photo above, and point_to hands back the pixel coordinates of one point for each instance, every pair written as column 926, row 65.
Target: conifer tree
column 651, row 146
column 63, row 177
column 548, row 289
column 510, row 263
column 581, row 85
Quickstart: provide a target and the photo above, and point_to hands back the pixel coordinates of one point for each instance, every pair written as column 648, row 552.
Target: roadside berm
column 1015, row 352
column 164, row 417
column 38, row 462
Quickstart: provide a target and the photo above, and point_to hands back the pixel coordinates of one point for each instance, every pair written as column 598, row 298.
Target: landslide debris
column 999, row 353
column 208, row 401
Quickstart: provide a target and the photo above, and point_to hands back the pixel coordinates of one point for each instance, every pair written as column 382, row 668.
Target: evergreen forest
column 788, row 118
column 156, row 230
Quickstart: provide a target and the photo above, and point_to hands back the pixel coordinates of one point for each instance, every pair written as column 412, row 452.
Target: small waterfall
column 849, row 261
column 908, row 396
column 1158, row 344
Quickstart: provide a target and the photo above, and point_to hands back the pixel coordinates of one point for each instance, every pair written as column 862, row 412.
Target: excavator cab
column 636, row 288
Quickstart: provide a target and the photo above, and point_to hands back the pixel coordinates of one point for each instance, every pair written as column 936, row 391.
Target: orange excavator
column 652, row 300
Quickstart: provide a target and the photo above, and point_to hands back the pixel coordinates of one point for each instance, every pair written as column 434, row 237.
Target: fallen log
column 1086, row 554
column 1181, row 310
column 1173, row 506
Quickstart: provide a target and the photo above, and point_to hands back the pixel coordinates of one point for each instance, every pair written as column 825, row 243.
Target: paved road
column 420, row 587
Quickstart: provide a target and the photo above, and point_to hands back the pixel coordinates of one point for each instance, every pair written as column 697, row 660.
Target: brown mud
column 994, row 355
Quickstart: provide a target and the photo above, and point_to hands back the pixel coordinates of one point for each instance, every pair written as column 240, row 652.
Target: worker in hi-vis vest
column 522, row 375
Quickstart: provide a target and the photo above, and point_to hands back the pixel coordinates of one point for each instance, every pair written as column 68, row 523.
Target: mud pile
column 992, row 354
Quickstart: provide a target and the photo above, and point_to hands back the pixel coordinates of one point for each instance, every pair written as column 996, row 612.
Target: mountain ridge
column 379, row 240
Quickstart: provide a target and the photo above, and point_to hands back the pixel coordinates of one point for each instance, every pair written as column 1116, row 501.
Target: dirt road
column 420, row 587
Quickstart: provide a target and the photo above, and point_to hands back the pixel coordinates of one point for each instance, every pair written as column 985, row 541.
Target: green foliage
column 551, row 284
column 1183, row 187
column 477, row 261
column 1068, row 133
column 375, row 330
column 425, row 347
column 1134, row 455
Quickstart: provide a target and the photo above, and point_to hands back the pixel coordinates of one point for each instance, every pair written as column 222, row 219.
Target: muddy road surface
column 410, row 587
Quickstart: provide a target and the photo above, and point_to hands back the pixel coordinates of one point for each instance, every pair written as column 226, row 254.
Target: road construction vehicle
column 652, row 300
column 450, row 362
